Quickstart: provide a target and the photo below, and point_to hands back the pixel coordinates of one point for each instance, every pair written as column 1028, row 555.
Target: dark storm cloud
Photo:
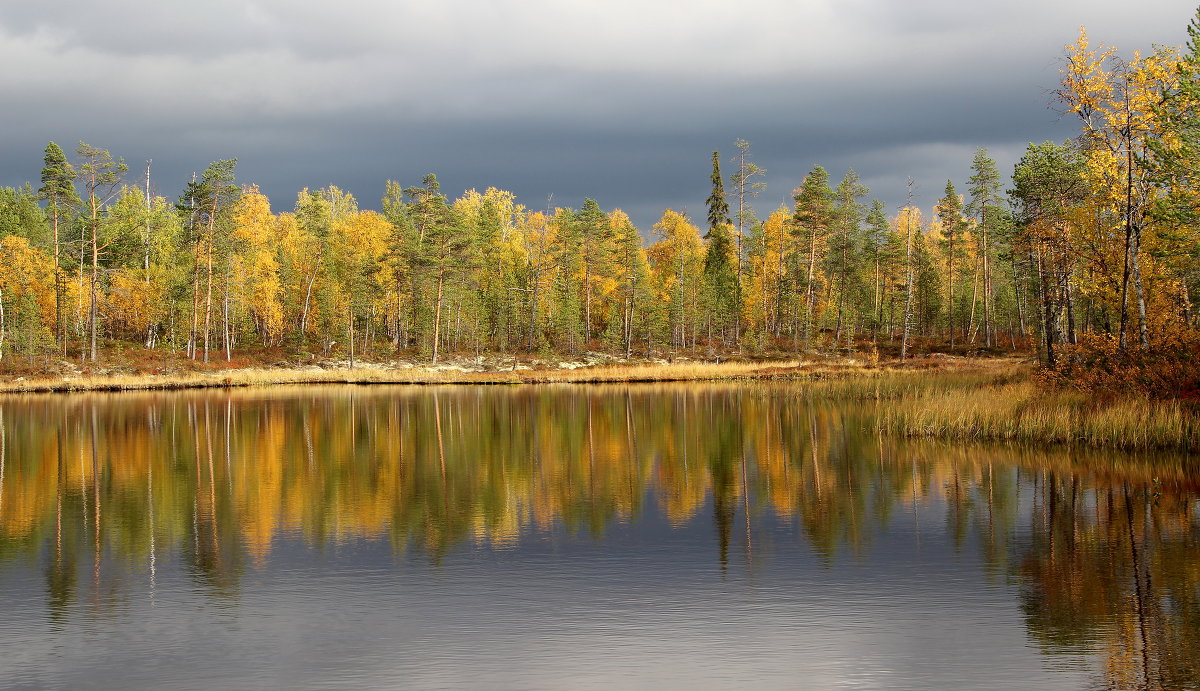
column 620, row 100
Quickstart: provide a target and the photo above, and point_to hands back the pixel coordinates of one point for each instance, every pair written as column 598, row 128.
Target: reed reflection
column 102, row 490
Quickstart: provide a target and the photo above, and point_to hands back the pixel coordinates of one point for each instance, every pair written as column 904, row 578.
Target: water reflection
column 99, row 493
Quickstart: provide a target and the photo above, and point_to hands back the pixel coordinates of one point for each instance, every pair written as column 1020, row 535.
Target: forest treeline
column 1088, row 253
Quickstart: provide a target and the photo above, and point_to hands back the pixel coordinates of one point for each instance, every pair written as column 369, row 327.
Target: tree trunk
column 308, row 299
column 908, row 292
column 629, row 321
column 2, row 325
column 587, row 298
column 987, row 284
column 950, row 301
column 809, row 293
column 1136, row 268
column 92, row 312
column 1068, row 297
column 779, row 284
column 195, row 333
column 225, row 318
column 1017, row 297
column 208, row 296
column 437, row 313
column 841, row 299
column 1049, row 320
column 1130, row 255
column 973, row 332
column 79, row 323
column 682, row 310
column 350, row 331
column 58, row 284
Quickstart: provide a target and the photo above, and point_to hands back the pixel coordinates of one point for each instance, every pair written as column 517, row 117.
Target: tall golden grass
column 999, row 400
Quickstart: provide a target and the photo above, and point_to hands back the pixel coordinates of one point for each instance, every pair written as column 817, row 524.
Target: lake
column 559, row 536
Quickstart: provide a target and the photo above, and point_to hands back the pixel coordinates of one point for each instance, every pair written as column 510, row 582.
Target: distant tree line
column 1095, row 238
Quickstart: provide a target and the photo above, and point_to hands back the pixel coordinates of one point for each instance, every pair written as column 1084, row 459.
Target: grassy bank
column 1000, row 400
column 376, row 374
column 949, row 398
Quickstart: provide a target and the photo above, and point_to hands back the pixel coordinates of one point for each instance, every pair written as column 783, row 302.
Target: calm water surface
column 674, row 536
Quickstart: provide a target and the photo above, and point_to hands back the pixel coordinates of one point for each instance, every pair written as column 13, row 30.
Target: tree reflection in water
column 1102, row 547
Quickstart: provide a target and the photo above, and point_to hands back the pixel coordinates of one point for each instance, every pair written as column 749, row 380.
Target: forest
column 1088, row 255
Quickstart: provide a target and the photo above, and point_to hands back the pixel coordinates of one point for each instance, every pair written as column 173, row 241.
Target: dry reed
column 1001, row 401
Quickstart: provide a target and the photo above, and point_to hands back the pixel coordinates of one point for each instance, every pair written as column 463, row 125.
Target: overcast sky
column 620, row 100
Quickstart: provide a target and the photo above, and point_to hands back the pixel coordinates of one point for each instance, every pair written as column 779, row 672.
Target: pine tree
column 443, row 248
column 58, row 191
column 811, row 223
column 1048, row 181
column 102, row 181
column 595, row 234
column 950, row 217
column 984, row 187
column 845, row 246
column 745, row 189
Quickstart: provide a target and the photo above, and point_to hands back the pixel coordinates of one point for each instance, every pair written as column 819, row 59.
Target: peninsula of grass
column 1002, row 400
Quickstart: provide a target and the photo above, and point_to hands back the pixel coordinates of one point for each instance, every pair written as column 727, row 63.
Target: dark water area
column 643, row 536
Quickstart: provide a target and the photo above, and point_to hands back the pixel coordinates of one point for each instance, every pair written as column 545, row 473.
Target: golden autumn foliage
column 28, row 274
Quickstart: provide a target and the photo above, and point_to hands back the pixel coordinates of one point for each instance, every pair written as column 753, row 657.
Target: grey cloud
column 621, row 100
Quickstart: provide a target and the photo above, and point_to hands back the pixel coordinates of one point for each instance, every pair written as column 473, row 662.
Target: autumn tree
column 1116, row 103
column 256, row 263
column 677, row 260
column 26, row 294
column 141, row 239
column 633, row 289
column 908, row 222
column 358, row 242
column 765, row 294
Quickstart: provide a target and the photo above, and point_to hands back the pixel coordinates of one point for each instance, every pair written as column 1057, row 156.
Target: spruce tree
column 720, row 273
column 718, row 206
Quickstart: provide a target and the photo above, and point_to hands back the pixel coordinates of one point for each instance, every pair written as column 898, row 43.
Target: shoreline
column 371, row 374
column 944, row 397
